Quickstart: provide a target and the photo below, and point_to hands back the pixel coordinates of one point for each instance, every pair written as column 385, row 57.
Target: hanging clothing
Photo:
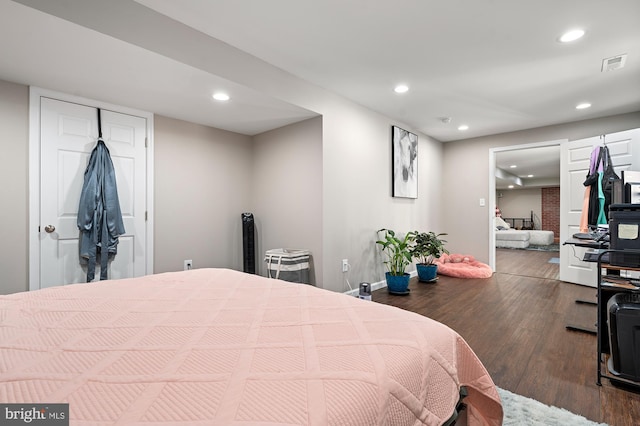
column 602, row 216
column 599, row 182
column 608, row 177
column 99, row 216
column 584, row 225
column 590, row 200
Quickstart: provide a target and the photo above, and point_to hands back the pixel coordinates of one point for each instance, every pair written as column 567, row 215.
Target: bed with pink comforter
column 220, row 347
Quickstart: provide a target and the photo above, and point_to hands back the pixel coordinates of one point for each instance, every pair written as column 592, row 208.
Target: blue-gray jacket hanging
column 99, row 216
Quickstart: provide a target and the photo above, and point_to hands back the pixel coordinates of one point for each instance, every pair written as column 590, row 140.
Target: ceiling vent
column 614, row 63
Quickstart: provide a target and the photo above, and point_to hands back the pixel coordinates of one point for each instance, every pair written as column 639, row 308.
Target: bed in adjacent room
column 507, row 237
column 221, row 347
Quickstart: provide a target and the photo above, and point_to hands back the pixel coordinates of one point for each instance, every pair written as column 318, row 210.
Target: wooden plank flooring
column 515, row 322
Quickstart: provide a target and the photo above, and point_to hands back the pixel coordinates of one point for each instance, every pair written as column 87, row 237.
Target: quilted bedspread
column 220, row 347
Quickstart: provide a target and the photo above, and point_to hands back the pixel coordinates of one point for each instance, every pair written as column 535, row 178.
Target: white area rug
column 520, row 410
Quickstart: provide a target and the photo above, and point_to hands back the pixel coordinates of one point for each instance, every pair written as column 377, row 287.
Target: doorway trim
column 35, row 93
column 492, row 187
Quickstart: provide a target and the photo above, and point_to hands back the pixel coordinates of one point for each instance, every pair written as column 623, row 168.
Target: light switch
column 482, row 202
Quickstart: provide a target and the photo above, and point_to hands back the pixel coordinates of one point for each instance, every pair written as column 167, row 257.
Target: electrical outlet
column 345, row 265
column 188, row 264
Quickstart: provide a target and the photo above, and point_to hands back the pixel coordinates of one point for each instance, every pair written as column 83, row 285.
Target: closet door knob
column 49, row 229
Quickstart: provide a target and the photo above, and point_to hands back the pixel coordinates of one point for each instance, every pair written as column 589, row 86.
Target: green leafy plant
column 397, row 251
column 427, row 247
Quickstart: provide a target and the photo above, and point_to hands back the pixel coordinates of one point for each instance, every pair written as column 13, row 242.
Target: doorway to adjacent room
column 518, row 175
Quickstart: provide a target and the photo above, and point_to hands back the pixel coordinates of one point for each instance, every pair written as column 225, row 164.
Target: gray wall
column 14, row 210
column 466, row 176
column 286, row 191
column 518, row 203
column 202, row 184
column 357, row 192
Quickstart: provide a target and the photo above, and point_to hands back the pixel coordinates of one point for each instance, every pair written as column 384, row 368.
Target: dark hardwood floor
column 515, row 322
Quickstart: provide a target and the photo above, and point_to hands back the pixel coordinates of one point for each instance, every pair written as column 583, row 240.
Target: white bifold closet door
column 68, row 134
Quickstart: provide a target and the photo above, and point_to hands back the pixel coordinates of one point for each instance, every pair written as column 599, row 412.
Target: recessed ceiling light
column 401, row 88
column 583, row 105
column 510, row 187
column 463, row 127
column 572, row 35
column 513, row 166
column 529, row 176
column 221, row 96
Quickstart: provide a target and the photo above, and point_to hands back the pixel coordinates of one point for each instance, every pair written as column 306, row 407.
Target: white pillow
column 499, row 222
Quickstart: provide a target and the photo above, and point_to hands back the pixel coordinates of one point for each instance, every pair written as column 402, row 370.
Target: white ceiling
column 492, row 64
column 42, row 50
column 541, row 162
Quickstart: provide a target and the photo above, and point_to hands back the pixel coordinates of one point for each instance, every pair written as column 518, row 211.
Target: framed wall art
column 404, row 163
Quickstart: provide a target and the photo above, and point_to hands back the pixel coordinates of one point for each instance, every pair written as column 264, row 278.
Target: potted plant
column 427, row 247
column 397, row 252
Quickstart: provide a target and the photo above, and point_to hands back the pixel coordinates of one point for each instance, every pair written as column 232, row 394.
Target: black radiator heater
column 248, row 243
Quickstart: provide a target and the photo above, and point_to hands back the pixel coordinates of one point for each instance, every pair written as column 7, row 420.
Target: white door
column 68, row 134
column 624, row 148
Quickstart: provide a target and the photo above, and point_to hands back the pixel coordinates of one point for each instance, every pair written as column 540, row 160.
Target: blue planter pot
column 397, row 284
column 427, row 273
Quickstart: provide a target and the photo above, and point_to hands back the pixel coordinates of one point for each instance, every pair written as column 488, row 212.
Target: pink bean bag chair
column 462, row 266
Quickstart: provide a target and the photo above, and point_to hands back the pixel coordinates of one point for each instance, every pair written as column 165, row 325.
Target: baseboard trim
column 375, row 286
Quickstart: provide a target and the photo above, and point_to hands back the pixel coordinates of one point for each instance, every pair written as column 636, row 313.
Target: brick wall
column 551, row 211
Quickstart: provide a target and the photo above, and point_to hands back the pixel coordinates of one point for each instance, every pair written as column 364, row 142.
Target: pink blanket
column 220, row 347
